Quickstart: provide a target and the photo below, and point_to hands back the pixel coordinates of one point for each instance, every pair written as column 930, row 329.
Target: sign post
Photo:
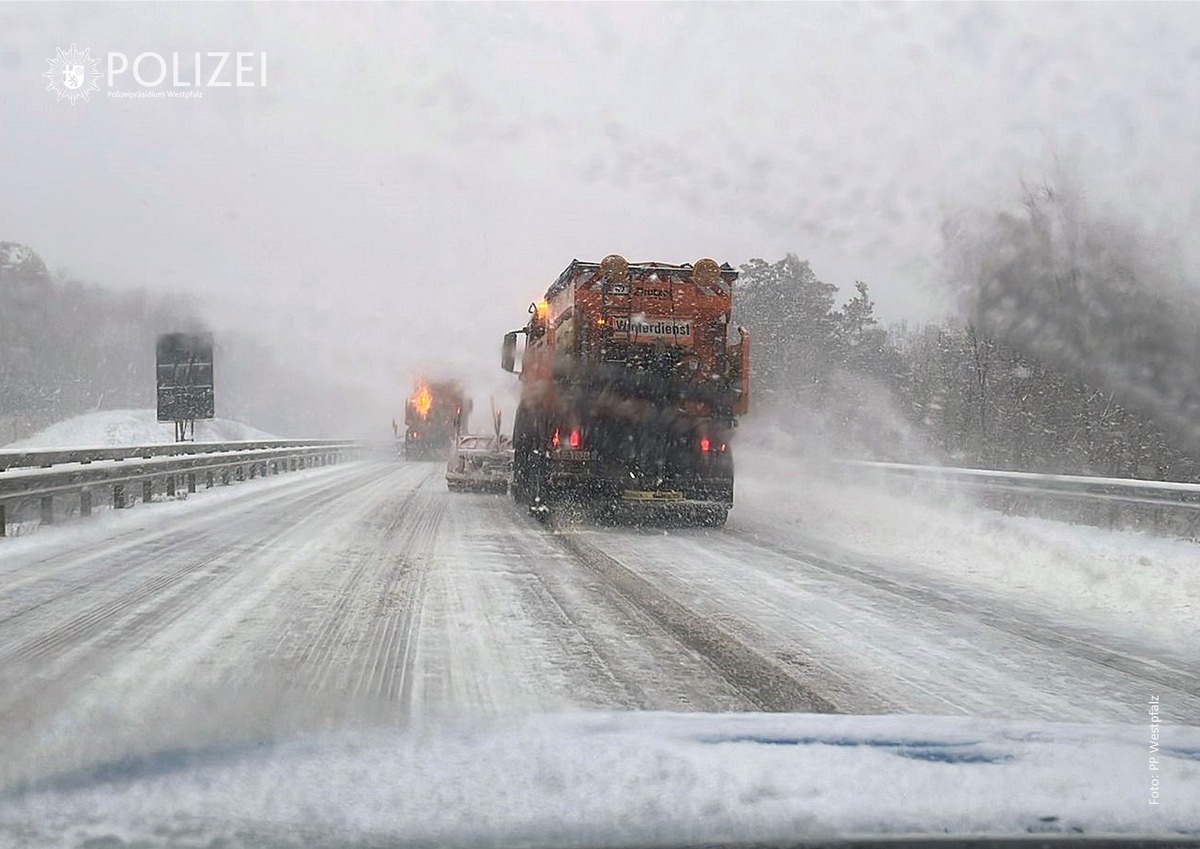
column 184, row 368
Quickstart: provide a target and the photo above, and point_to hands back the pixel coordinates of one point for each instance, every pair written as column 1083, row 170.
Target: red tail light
column 704, row 443
column 554, row 439
column 574, row 440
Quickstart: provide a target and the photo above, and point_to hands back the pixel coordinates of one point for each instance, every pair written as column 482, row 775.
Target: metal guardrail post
column 3, row 522
column 118, row 496
column 47, row 513
column 147, row 490
column 170, row 486
column 191, row 482
column 85, row 503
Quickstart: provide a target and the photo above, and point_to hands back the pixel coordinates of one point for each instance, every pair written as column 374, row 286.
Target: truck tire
column 539, row 489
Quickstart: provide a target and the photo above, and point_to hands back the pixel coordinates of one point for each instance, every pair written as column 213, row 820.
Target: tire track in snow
column 139, row 661
column 90, row 639
column 34, row 570
column 872, row 651
column 318, row 657
column 394, row 640
column 766, row 681
column 128, row 588
column 1153, row 671
column 606, row 650
column 352, row 645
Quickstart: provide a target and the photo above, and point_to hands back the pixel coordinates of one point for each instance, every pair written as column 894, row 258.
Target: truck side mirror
column 508, row 354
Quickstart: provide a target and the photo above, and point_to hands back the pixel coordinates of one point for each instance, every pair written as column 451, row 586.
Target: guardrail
column 1160, row 505
column 47, row 477
column 44, row 458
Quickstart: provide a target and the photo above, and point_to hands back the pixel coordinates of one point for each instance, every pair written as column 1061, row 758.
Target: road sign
column 185, row 377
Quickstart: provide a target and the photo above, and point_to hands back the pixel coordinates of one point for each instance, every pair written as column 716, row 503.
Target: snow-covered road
column 366, row 594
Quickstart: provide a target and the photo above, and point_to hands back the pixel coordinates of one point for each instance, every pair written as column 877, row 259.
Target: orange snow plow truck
column 631, row 384
column 433, row 416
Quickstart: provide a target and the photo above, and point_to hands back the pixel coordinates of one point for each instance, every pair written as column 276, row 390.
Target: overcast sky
column 412, row 176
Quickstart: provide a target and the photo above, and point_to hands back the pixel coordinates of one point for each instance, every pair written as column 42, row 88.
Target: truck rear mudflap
column 663, row 508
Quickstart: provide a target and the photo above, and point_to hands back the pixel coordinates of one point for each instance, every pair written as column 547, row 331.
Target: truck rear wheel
column 539, row 489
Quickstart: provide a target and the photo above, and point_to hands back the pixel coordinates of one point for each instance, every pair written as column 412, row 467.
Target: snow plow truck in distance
column 433, row 417
column 631, row 383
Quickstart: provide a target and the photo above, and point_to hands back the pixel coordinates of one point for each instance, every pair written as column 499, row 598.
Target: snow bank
column 118, row 428
column 1142, row 586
